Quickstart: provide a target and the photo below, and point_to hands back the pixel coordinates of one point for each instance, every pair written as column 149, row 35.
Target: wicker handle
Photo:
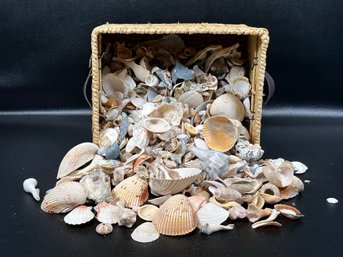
column 271, row 87
column 85, row 85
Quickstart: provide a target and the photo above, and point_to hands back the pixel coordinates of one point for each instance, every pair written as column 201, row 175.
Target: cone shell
column 156, row 125
column 64, row 197
column 173, row 186
column 133, row 190
column 175, row 217
column 79, row 215
column 220, row 133
column 228, row 105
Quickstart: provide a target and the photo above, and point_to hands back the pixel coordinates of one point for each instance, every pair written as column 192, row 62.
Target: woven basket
column 255, row 40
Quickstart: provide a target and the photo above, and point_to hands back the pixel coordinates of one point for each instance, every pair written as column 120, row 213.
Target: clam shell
column 240, row 87
column 76, row 157
column 220, row 133
column 145, row 233
column 175, row 217
column 138, row 102
column 111, row 84
column 288, row 211
column 210, row 213
column 173, row 186
column 147, row 212
column 80, row 215
column 64, row 197
column 133, row 190
column 192, row 98
column 156, row 125
column 172, row 113
column 104, row 228
column 107, row 213
column 228, row 105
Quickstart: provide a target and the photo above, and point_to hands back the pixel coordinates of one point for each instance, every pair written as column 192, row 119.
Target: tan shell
column 172, row 113
column 190, row 129
column 220, row 133
column 156, row 125
column 192, row 98
column 173, row 186
column 279, row 173
column 254, row 213
column 288, row 211
column 226, row 205
column 64, row 197
column 133, row 190
column 76, row 157
column 228, row 105
column 175, row 217
column 147, row 212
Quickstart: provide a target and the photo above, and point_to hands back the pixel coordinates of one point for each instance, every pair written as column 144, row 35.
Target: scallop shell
column 64, row 197
column 145, row 233
column 192, row 98
column 220, row 133
column 210, row 213
column 76, row 157
column 173, row 186
column 228, row 105
column 80, row 215
column 172, row 113
column 147, row 212
column 240, row 87
column 175, row 217
column 104, row 228
column 133, row 190
column 112, row 84
column 156, row 125
column 107, row 213
column 288, row 211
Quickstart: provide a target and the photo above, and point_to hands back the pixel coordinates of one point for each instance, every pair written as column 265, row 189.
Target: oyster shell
column 97, row 185
column 80, row 215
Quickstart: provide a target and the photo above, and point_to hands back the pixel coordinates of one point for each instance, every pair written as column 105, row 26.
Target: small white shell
column 29, row 186
column 235, row 71
column 299, row 168
column 240, row 87
column 211, row 228
column 104, row 228
column 145, row 233
column 80, row 215
column 211, row 214
column 332, row 200
column 151, row 81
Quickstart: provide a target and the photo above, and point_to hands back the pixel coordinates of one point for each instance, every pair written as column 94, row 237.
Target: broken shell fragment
column 147, row 212
column 127, row 217
column 145, row 233
column 29, row 186
column 237, row 212
column 192, row 98
column 212, row 228
column 80, row 215
column 299, row 168
column 98, row 186
column 332, row 200
column 156, row 125
column 288, row 211
column 104, row 228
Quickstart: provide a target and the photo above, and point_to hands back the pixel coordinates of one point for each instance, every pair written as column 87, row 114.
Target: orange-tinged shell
column 220, row 133
column 134, row 190
column 175, row 217
column 228, row 105
column 288, row 211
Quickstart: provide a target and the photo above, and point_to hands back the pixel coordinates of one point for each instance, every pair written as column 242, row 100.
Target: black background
column 44, row 52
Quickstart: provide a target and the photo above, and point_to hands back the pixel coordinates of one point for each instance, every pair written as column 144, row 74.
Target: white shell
column 171, row 113
column 108, row 137
column 29, row 186
column 147, row 212
column 192, row 98
column 80, row 215
column 156, row 125
column 211, row 214
column 138, row 102
column 112, row 84
column 145, row 233
column 152, row 81
column 107, row 213
column 198, row 142
column 98, row 185
column 211, row 228
column 299, row 168
column 235, row 71
column 240, row 87
column 332, row 200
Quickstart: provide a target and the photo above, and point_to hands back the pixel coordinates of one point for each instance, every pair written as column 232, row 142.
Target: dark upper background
column 45, row 45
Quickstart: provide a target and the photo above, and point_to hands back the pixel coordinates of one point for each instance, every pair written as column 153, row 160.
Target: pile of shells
column 172, row 149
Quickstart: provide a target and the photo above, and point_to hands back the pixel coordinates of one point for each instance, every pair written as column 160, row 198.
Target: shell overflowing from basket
column 174, row 147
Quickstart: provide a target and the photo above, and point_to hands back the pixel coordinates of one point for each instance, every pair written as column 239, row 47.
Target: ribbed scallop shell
column 175, row 217
column 192, row 98
column 156, row 125
column 210, row 213
column 173, row 186
column 64, row 197
column 240, row 87
column 133, row 190
column 79, row 215
column 229, row 106
column 220, row 133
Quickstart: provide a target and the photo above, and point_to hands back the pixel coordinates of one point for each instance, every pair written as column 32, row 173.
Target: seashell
column 226, row 205
column 172, row 186
column 108, row 166
column 133, row 190
column 237, row 212
column 226, row 194
column 247, row 151
column 220, row 53
column 164, row 58
column 248, row 114
column 97, row 185
column 228, row 105
column 156, row 125
column 190, row 129
column 235, row 71
column 129, row 83
column 152, row 81
column 172, row 113
column 105, row 70
column 268, row 221
column 271, row 199
column 219, row 67
column 202, row 54
column 258, row 201
column 140, row 72
column 200, row 143
column 288, row 211
column 211, row 228
column 104, row 228
column 186, row 53
column 181, row 72
column 108, row 137
column 113, row 114
column 299, row 168
column 255, row 213
column 29, row 186
column 211, row 214
column 80, row 215
column 332, row 200
column 288, row 193
column 122, row 51
column 281, row 175
column 112, row 84
column 138, row 102
column 148, row 108
column 197, row 201
column 220, row 133
column 147, row 212
column 111, row 152
column 144, row 51
column 112, row 102
column 240, row 87
column 64, row 197
column 243, row 185
column 164, row 76
column 175, row 217
column 107, row 213
column 192, row 98
column 139, row 139
column 127, row 217
column 145, row 233
column 159, row 200
column 151, row 94
column 76, row 157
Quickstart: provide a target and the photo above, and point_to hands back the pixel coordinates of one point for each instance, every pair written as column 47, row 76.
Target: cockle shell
column 112, row 84
column 172, row 113
column 175, row 217
column 80, row 215
column 107, row 213
column 228, row 105
column 97, row 185
column 240, row 87
column 192, row 98
column 108, row 137
column 173, row 186
column 104, row 228
column 64, row 197
column 134, row 190
column 147, row 212
column 288, row 211
column 145, row 233
column 211, row 214
column 156, row 125
column 76, row 157
column 220, row 133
